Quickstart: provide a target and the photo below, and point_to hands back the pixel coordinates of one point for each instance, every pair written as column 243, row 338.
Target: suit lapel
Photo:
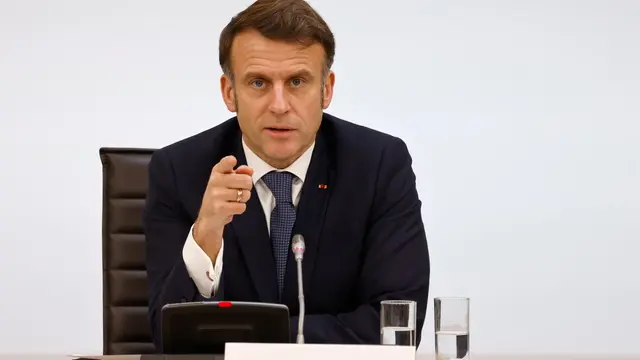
column 310, row 218
column 253, row 239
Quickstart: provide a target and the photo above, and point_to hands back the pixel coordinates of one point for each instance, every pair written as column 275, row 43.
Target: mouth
column 279, row 132
column 279, row 129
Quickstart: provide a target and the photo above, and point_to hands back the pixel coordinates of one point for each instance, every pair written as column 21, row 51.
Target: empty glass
column 398, row 322
column 452, row 328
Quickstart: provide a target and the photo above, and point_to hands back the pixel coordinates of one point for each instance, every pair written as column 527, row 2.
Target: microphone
column 297, row 246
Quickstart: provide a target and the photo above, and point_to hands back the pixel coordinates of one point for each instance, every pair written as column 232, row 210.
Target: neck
column 283, row 163
column 277, row 163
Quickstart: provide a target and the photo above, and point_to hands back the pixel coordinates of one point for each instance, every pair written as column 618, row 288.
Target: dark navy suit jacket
column 364, row 234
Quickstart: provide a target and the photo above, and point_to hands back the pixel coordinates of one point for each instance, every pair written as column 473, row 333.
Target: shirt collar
column 260, row 167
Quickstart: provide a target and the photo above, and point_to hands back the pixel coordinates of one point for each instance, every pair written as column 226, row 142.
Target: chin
column 281, row 155
column 281, row 152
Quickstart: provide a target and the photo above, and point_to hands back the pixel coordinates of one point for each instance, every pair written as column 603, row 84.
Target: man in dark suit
column 223, row 205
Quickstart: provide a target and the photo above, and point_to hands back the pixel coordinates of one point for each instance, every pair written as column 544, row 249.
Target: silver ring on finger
column 239, row 195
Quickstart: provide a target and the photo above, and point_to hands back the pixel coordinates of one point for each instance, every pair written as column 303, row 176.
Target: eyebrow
column 259, row 75
column 302, row 73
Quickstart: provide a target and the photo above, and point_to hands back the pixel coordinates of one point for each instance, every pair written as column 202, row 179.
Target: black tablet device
column 204, row 327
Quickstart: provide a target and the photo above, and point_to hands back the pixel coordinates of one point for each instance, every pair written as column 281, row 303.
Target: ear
column 228, row 95
column 327, row 91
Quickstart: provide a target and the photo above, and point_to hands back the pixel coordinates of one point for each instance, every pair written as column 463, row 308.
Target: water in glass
column 452, row 345
column 452, row 328
column 398, row 335
column 398, row 322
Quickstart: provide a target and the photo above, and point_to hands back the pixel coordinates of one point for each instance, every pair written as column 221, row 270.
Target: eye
column 296, row 82
column 257, row 83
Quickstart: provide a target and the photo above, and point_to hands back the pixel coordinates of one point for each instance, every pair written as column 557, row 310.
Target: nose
column 279, row 102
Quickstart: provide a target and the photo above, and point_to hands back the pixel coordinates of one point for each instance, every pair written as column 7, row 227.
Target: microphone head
column 297, row 246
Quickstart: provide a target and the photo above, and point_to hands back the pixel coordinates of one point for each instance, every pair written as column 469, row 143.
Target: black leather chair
column 125, row 325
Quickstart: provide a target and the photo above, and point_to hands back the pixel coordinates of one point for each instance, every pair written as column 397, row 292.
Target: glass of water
column 398, row 322
column 452, row 328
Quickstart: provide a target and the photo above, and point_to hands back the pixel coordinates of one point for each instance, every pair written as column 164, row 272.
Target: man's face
column 279, row 93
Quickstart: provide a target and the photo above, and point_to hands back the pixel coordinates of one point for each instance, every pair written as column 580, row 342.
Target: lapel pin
column 322, row 186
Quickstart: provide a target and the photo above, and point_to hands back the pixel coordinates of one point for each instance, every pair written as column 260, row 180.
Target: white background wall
column 522, row 117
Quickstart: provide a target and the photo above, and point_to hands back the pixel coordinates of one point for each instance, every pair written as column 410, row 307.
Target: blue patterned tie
column 283, row 217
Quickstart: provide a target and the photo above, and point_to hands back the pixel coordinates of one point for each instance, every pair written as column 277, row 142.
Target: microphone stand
column 300, row 337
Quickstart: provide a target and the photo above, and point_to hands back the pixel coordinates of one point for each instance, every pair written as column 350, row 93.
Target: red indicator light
column 224, row 304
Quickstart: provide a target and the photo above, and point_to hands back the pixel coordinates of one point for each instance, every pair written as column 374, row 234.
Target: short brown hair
column 283, row 20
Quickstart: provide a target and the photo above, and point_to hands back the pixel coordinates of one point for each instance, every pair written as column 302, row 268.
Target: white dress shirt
column 206, row 275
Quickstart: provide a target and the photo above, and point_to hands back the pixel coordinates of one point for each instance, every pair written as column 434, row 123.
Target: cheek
column 308, row 105
column 251, row 108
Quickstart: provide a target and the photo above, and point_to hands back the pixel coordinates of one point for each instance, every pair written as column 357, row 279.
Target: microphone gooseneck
column 297, row 246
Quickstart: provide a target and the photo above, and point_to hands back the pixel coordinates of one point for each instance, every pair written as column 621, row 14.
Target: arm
column 167, row 227
column 205, row 274
column 396, row 262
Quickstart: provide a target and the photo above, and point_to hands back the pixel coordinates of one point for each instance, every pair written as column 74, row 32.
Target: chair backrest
column 126, row 327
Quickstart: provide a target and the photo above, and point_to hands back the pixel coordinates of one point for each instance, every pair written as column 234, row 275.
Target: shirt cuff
column 202, row 271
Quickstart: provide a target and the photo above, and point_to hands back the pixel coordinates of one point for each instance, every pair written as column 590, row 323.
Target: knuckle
column 238, row 208
column 215, row 178
column 233, row 182
column 248, row 182
column 218, row 207
column 242, row 207
column 215, row 192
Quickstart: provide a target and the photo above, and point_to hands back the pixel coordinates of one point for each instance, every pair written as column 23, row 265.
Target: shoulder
column 361, row 142
column 201, row 147
column 375, row 163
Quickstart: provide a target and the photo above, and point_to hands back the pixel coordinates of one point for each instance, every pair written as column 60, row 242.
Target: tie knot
column 280, row 183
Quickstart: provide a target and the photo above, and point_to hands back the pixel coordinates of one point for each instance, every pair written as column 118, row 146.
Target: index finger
column 225, row 166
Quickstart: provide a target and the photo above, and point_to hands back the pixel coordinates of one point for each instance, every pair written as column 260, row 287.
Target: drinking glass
column 398, row 322
column 452, row 328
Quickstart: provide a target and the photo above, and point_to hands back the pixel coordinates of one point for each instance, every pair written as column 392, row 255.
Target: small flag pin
column 322, row 186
